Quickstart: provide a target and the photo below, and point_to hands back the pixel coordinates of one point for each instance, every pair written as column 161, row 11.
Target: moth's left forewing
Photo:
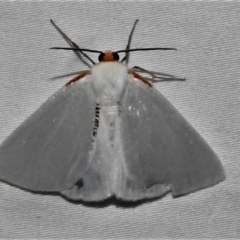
column 49, row 151
column 160, row 146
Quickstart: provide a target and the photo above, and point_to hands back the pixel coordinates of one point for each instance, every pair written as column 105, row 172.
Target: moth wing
column 161, row 147
column 50, row 150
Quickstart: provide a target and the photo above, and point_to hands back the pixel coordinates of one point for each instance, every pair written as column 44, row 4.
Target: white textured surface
column 207, row 37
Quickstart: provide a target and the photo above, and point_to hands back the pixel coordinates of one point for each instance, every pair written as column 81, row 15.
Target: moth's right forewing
column 161, row 147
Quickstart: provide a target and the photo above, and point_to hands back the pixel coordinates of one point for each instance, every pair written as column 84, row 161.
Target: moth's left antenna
column 73, row 45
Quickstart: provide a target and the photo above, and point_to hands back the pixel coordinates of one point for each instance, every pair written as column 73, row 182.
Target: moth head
column 108, row 56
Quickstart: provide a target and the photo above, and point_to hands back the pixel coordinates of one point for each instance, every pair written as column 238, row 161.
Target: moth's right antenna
column 126, row 57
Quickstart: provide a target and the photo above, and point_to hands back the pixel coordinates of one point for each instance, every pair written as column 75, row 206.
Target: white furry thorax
column 109, row 80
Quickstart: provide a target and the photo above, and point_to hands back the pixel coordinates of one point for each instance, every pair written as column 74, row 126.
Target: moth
column 109, row 132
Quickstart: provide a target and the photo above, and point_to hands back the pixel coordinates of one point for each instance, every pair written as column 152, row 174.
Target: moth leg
column 157, row 76
column 138, row 76
column 79, row 76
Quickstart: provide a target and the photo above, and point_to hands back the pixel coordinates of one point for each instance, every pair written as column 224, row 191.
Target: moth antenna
column 126, row 57
column 145, row 49
column 77, row 49
column 73, row 44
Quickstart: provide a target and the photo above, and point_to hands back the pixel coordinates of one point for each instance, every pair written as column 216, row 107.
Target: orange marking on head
column 141, row 78
column 108, row 56
column 79, row 76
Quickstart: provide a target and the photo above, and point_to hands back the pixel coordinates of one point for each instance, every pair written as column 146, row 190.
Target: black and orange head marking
column 108, row 56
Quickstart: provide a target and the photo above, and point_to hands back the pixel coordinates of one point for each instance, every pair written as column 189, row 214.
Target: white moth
column 109, row 132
